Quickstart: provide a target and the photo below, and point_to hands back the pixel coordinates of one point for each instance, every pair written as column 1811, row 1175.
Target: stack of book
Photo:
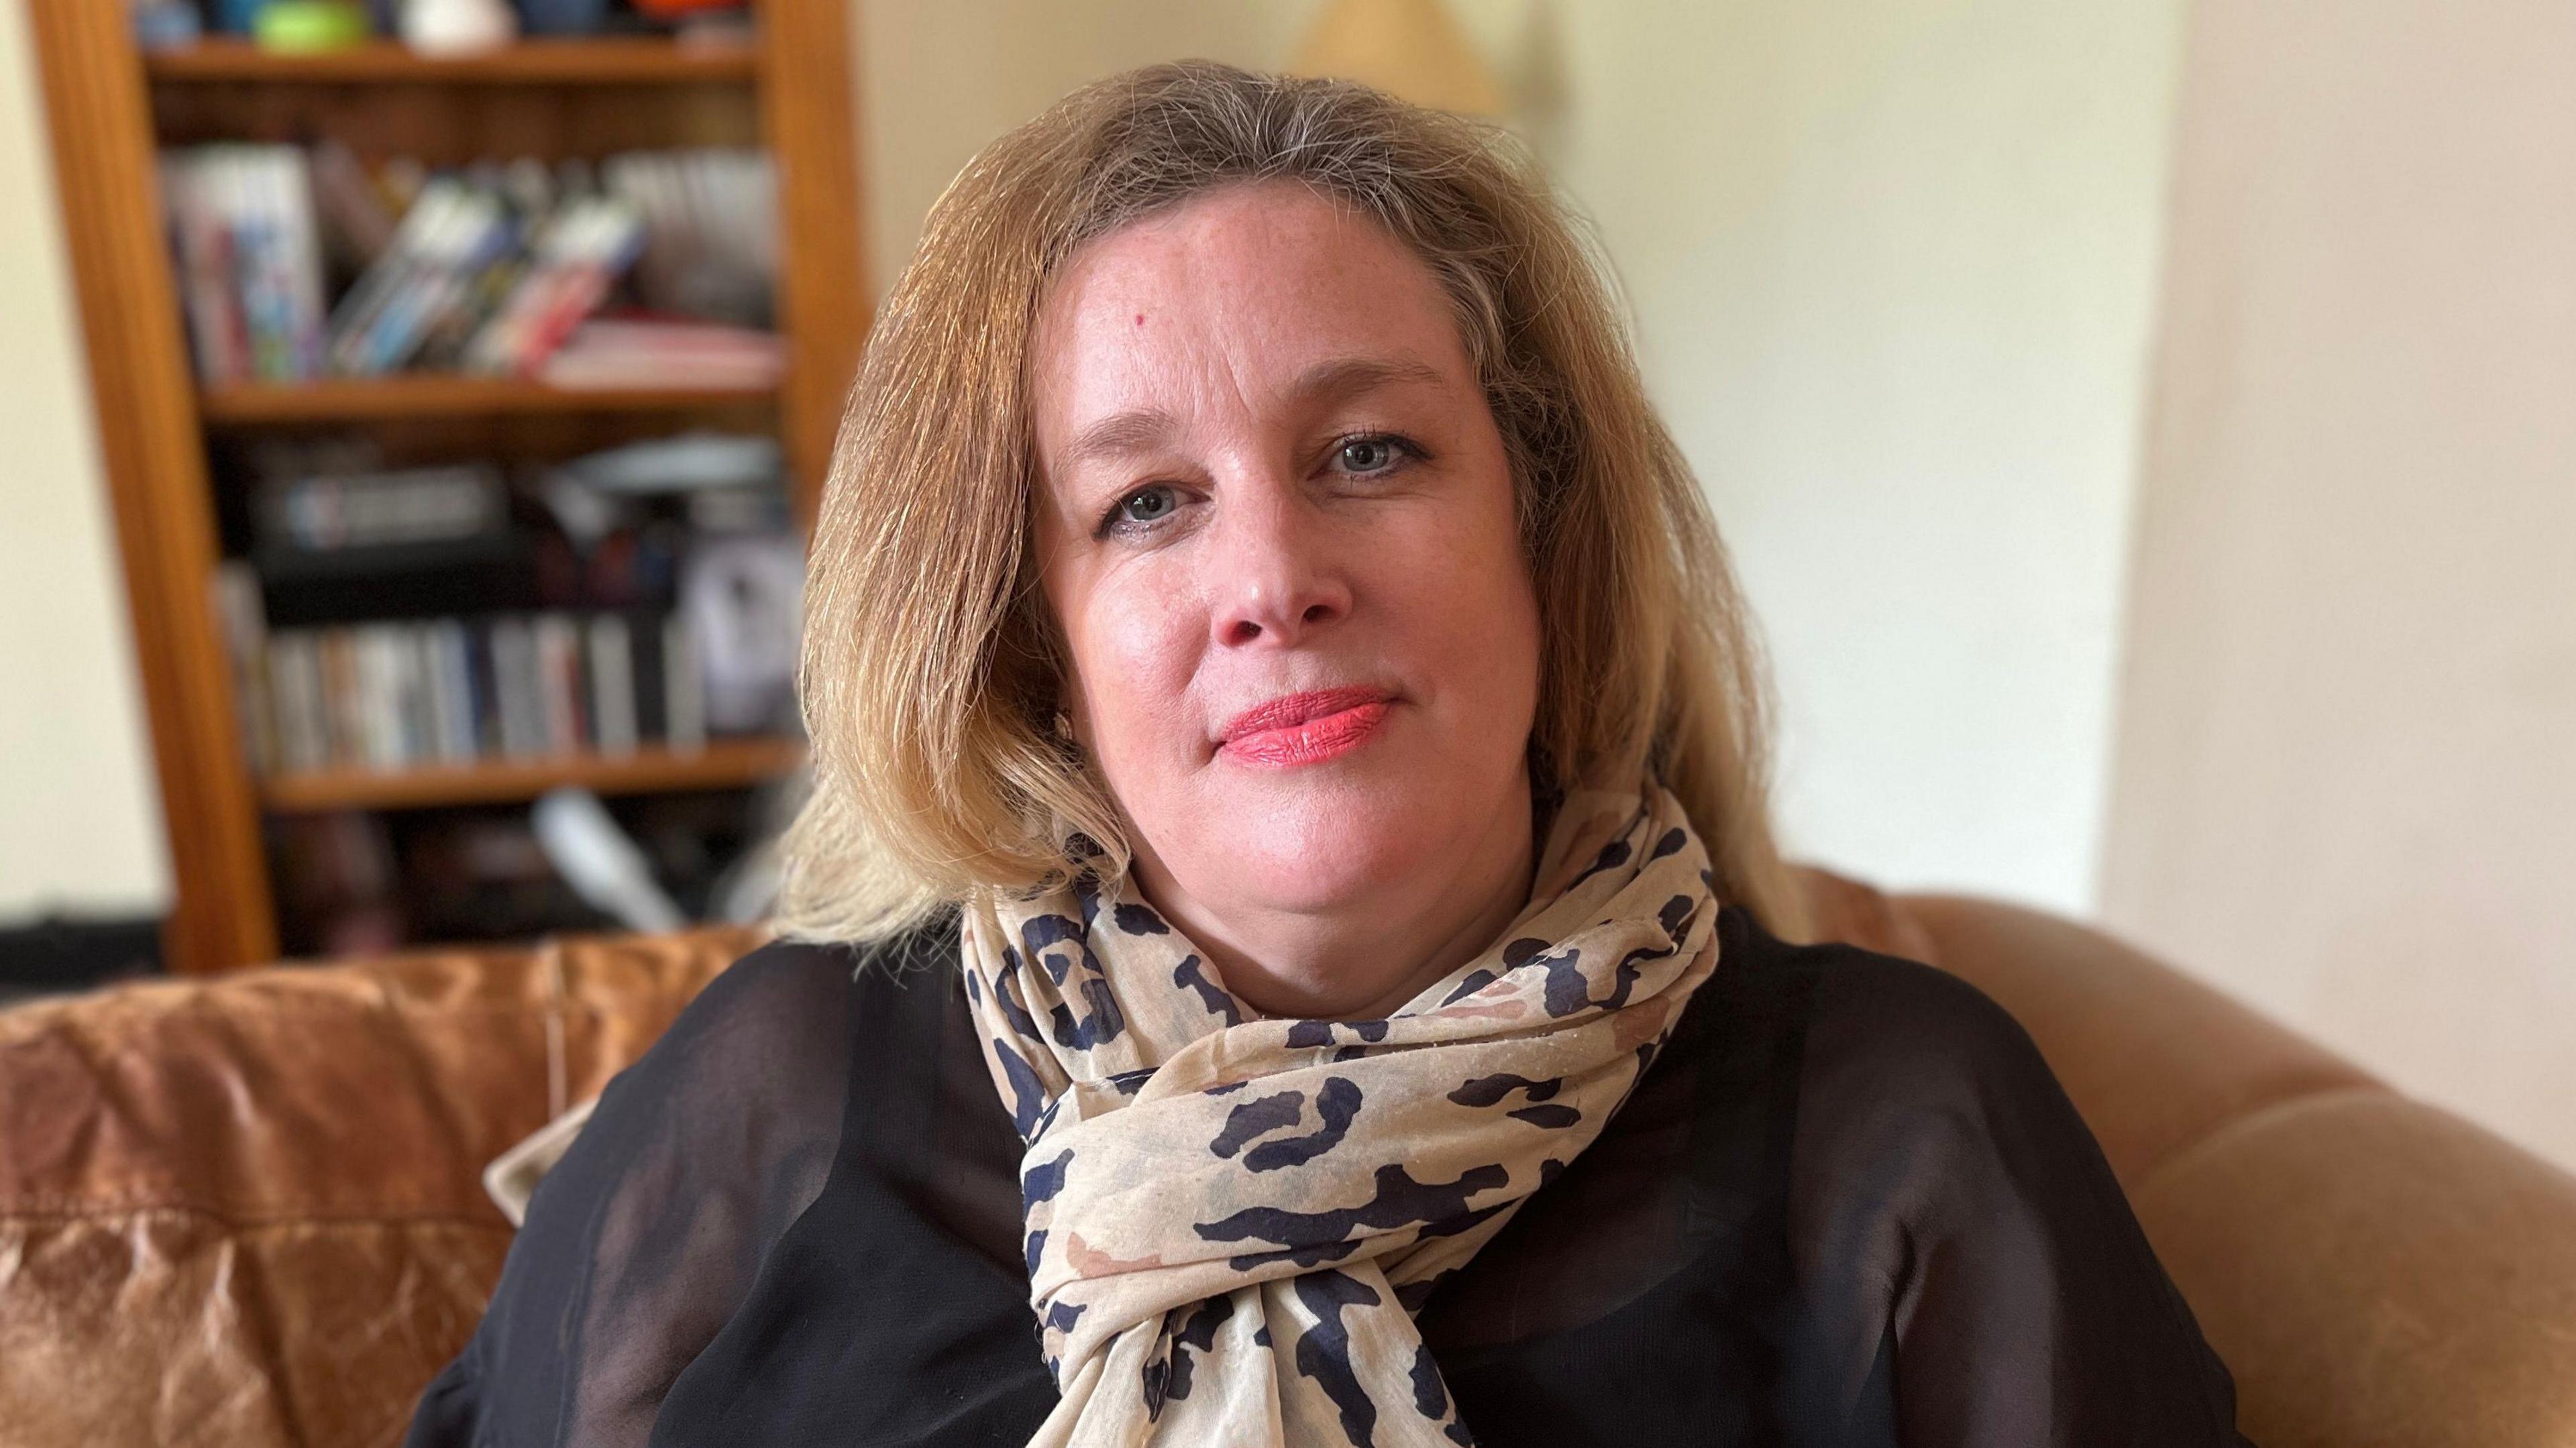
column 457, row 691
column 655, row 352
column 323, row 512
column 487, row 270
column 710, row 230
column 249, row 260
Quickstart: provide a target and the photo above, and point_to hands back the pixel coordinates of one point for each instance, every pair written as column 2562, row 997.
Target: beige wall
column 80, row 828
column 1892, row 263
column 2347, row 763
column 937, row 81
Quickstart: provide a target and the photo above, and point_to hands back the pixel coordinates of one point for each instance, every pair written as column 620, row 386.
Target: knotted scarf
column 1232, row 1219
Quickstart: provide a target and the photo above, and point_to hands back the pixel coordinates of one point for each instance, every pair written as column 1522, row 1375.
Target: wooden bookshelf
column 109, row 106
column 607, row 61
column 353, row 399
column 721, row 764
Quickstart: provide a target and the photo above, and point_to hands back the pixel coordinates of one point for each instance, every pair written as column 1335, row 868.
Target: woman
column 1292, row 936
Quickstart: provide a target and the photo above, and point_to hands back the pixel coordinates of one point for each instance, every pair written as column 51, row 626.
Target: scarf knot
column 1230, row 1221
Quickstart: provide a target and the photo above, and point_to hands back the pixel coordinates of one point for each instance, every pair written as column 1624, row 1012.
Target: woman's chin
column 1338, row 855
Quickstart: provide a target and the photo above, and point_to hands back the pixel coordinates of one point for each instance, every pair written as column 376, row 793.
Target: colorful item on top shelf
column 310, row 26
column 167, row 24
column 564, row 17
column 675, row 9
column 458, row 27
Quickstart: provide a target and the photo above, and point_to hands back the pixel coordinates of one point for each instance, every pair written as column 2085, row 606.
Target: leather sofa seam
column 51, row 1212
column 2245, row 1123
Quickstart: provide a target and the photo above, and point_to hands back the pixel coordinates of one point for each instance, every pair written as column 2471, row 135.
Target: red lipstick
column 1305, row 728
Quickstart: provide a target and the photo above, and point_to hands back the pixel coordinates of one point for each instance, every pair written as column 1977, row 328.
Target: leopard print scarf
column 1231, row 1220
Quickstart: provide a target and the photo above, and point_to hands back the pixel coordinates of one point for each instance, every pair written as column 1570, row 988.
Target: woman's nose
column 1275, row 582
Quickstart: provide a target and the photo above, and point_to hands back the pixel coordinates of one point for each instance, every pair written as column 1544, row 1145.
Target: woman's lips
column 1306, row 728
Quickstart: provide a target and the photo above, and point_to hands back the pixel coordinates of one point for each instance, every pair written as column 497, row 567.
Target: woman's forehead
column 1253, row 294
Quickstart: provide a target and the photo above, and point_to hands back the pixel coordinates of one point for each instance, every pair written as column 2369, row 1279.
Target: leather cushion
column 249, row 1210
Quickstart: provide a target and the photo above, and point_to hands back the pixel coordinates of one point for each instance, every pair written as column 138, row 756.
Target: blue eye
column 1369, row 454
column 1143, row 506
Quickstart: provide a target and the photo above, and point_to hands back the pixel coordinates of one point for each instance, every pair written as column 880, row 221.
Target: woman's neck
column 1362, row 962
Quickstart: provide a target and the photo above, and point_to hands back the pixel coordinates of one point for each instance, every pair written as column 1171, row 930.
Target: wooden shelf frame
column 152, row 422
column 435, row 395
column 721, row 764
column 607, row 60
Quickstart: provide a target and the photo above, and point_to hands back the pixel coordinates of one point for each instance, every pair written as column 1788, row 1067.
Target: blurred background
column 2147, row 432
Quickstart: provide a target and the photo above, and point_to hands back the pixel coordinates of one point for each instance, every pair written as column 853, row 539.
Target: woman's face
column 1276, row 526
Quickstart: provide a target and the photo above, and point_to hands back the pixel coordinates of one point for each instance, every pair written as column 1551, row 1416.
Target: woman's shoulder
column 1922, row 1107
column 1908, row 1036
column 1942, row 1186
column 790, row 1000
column 645, row 1240
column 1906, row 1090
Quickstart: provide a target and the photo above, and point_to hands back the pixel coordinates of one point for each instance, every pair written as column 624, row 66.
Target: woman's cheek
column 1452, row 586
column 1139, row 668
column 1477, row 620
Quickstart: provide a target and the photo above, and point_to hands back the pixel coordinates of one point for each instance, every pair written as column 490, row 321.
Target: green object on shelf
column 308, row 25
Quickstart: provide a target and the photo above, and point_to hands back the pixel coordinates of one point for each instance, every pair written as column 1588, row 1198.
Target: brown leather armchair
column 248, row 1210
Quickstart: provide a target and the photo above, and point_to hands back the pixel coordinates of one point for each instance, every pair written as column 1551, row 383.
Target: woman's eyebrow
column 1339, row 379
column 1343, row 378
column 1119, row 435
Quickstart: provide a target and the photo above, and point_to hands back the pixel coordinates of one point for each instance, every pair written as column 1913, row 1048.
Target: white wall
column 1892, row 262
column 80, row 827
column 2347, row 783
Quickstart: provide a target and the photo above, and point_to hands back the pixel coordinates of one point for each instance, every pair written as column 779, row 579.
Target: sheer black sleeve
column 1943, row 1185
column 643, row 1240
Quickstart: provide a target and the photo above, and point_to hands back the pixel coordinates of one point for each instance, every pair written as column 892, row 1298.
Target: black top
column 1847, row 1204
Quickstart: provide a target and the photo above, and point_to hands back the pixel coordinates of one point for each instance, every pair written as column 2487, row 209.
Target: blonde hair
column 931, row 668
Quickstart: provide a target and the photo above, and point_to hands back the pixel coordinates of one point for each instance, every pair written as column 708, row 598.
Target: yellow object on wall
column 1408, row 48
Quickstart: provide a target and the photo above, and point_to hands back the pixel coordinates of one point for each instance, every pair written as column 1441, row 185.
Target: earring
column 1064, row 726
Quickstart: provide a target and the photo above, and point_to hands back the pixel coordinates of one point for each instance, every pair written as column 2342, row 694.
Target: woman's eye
column 1369, row 454
column 1145, row 505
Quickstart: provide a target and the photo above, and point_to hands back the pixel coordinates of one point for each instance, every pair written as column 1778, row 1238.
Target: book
column 684, row 694
column 711, row 230
column 488, row 269
column 559, row 691
column 322, row 512
column 631, row 353
column 452, row 691
column 294, row 676
column 612, row 686
column 579, row 254
column 248, row 259
column 448, row 236
column 519, row 707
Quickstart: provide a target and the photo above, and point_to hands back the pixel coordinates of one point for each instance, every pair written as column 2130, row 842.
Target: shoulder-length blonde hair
column 931, row 667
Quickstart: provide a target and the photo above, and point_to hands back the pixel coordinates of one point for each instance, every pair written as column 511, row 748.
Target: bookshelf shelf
column 722, row 764
column 611, row 61
column 446, row 396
